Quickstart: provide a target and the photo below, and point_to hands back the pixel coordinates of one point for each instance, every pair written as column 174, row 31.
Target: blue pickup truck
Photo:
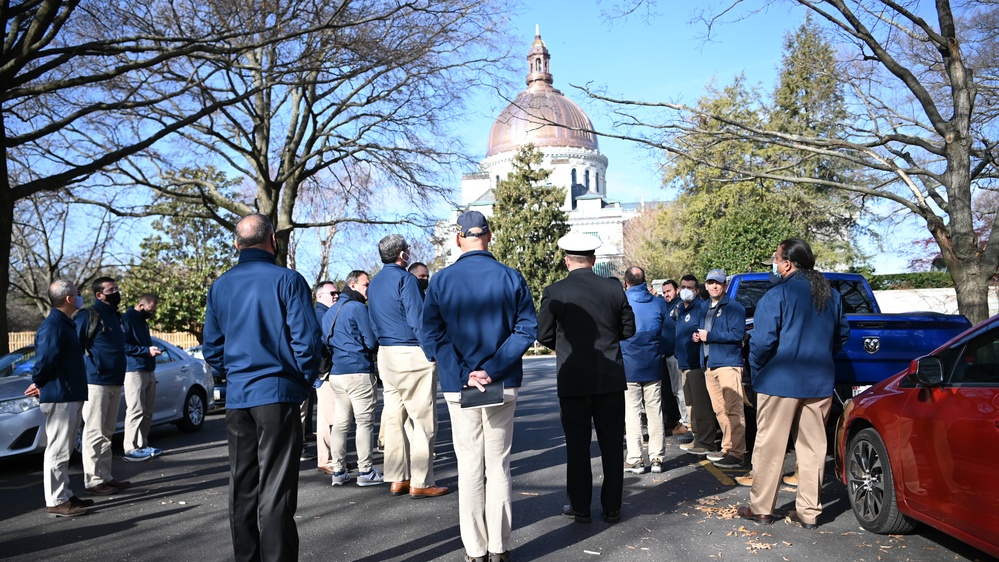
column 880, row 344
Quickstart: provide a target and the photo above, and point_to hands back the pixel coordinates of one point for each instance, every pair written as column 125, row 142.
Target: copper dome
column 541, row 114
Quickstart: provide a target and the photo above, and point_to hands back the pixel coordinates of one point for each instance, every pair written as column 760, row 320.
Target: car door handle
column 184, row 368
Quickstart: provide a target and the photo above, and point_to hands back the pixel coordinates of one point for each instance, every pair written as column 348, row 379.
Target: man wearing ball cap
column 583, row 318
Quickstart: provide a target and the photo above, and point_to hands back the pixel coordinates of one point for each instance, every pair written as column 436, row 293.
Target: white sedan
column 184, row 393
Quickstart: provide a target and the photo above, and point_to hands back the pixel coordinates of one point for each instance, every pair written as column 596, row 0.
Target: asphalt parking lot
column 176, row 509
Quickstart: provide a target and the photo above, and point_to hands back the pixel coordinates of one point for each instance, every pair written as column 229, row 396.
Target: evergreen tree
column 528, row 220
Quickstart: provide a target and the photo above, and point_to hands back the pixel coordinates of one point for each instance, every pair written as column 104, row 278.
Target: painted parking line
column 718, row 473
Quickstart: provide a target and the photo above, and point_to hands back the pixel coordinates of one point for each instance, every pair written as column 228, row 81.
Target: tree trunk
column 6, row 231
column 972, row 292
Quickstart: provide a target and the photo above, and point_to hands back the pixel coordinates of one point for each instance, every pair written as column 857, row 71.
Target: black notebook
column 472, row 397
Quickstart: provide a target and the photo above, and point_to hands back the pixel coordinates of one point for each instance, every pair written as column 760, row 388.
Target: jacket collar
column 476, row 253
column 256, row 255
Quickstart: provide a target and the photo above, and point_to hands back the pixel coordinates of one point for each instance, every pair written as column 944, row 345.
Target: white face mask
column 774, row 266
column 686, row 295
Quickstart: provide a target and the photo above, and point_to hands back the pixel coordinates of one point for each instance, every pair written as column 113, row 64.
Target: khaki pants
column 62, row 423
column 140, row 399
column 702, row 417
column 774, row 417
column 482, row 441
column 354, row 396
column 725, row 388
column 100, row 415
column 409, row 389
column 649, row 394
column 325, row 411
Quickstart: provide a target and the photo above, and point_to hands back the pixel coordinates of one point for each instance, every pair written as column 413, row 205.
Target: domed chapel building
column 557, row 127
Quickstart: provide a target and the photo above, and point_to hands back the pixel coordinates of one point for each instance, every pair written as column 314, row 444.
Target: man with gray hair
column 59, row 380
column 261, row 333
column 409, row 377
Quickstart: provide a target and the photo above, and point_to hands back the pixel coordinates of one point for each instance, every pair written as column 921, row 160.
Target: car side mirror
column 926, row 371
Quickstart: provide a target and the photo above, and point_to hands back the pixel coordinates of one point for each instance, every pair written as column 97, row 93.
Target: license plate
column 858, row 389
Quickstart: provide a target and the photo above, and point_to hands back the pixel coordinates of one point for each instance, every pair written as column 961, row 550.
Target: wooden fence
column 182, row 340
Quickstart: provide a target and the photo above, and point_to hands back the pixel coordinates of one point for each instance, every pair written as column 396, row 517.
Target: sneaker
column 138, row 455
column 716, row 456
column 689, row 446
column 701, row 450
column 65, row 509
column 636, row 467
column 728, row 461
column 154, row 452
column 746, row 480
column 657, row 466
column 370, row 478
column 791, row 479
column 307, row 455
column 341, row 478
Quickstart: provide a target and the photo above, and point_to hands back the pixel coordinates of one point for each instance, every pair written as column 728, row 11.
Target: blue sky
column 660, row 59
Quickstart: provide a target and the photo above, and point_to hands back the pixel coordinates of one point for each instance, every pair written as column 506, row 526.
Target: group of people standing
column 85, row 359
column 464, row 332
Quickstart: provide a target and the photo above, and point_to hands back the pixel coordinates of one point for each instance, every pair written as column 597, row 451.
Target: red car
column 923, row 446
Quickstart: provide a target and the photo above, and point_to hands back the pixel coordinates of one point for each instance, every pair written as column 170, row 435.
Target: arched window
column 596, row 180
column 497, row 181
column 537, row 65
column 574, row 182
column 586, row 179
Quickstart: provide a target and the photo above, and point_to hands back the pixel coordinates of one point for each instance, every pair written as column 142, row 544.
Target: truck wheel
column 194, row 411
column 871, row 486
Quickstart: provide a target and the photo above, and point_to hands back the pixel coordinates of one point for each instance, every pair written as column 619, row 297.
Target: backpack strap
column 94, row 327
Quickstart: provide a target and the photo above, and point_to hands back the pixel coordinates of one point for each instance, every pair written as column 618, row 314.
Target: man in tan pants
column 409, row 378
column 799, row 324
column 721, row 335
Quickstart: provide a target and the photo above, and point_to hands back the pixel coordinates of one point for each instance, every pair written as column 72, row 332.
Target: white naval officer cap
column 579, row 244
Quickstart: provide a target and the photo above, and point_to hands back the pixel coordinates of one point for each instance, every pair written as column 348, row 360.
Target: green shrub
column 925, row 280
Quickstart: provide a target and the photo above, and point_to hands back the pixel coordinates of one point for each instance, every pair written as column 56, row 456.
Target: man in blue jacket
column 140, row 382
column 59, row 380
column 721, row 332
column 689, row 314
column 409, row 377
column 799, row 324
column 674, row 404
column 478, row 321
column 261, row 333
column 347, row 334
column 102, row 333
column 643, row 361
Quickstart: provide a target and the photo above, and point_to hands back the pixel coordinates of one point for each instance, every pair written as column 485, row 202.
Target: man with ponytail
column 798, row 326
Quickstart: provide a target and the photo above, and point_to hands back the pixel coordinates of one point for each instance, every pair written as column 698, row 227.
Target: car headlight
column 18, row 405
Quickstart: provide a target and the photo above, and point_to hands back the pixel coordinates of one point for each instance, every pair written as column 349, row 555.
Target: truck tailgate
column 881, row 345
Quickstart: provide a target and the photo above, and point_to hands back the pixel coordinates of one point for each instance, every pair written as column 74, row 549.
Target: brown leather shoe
column 791, row 479
column 120, row 484
column 793, row 516
column 66, row 509
column 745, row 512
column 428, row 492
column 680, row 429
column 399, row 488
column 325, row 469
column 102, row 490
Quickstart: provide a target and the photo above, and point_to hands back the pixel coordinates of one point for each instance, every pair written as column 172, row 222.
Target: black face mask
column 145, row 314
column 113, row 300
column 424, row 283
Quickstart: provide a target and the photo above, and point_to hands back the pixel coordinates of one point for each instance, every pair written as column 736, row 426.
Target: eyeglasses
column 110, row 291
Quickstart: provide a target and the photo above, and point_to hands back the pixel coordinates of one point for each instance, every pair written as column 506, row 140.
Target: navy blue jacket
column 261, row 332
column 137, row 342
column 105, row 360
column 59, row 372
column 791, row 346
column 726, row 334
column 642, row 353
column 688, row 319
column 351, row 341
column 320, row 312
column 667, row 343
column 479, row 315
column 395, row 305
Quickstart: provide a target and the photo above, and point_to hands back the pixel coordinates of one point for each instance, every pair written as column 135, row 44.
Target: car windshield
column 16, row 363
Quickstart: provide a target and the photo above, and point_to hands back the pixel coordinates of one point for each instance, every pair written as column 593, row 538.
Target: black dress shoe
column 746, row 513
column 793, row 516
column 612, row 516
column 78, row 502
column 577, row 516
